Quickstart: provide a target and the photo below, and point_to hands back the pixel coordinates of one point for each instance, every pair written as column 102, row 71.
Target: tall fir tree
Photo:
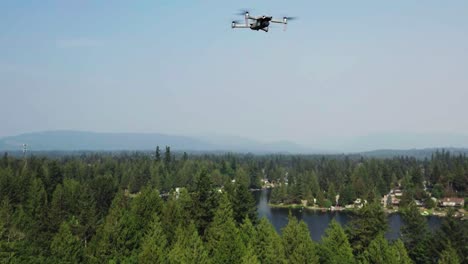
column 368, row 222
column 66, row 247
column 416, row 235
column 157, row 154
column 205, row 202
column 268, row 245
column 224, row 242
column 449, row 256
column 297, row 244
column 188, row 248
column 154, row 244
column 335, row 247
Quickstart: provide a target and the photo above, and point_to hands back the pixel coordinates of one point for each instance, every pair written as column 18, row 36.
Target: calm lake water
column 318, row 221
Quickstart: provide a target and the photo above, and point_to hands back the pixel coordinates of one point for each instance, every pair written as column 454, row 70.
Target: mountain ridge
column 73, row 140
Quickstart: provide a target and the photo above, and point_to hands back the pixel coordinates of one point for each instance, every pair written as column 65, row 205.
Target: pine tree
column 111, row 239
column 10, row 235
column 449, row 256
column 66, row 247
column 167, row 157
column 204, row 202
column 188, row 247
column 400, row 253
column 37, row 218
column 158, row 154
column 298, row 245
column 250, row 257
column 380, row 252
column 454, row 232
column 154, row 246
column 268, row 245
column 224, row 243
column 244, row 204
column 248, row 232
column 369, row 222
column 335, row 247
column 416, row 235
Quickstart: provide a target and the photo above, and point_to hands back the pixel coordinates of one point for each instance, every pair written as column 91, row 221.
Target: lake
column 318, row 221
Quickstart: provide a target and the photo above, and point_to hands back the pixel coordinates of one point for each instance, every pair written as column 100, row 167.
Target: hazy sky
column 344, row 69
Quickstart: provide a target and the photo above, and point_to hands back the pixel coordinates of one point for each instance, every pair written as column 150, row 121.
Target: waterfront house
column 452, row 202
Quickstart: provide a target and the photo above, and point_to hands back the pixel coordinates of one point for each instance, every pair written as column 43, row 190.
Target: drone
column 260, row 22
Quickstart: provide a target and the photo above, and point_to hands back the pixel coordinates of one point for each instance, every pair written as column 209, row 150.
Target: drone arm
column 278, row 21
column 240, row 26
column 283, row 21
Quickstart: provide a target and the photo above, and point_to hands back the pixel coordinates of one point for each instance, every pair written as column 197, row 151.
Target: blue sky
column 344, row 69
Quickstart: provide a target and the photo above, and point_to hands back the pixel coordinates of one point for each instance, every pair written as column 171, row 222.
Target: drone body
column 259, row 23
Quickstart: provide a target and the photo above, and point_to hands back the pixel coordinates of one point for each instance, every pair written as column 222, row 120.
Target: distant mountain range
column 64, row 140
column 91, row 141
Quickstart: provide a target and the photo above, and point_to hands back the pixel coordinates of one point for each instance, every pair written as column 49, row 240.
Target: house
column 452, row 202
column 398, row 192
column 390, row 199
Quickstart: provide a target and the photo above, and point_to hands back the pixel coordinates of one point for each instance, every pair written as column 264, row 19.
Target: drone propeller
column 285, row 21
column 243, row 12
column 286, row 18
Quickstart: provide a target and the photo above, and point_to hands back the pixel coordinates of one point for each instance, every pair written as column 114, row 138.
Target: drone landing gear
column 265, row 29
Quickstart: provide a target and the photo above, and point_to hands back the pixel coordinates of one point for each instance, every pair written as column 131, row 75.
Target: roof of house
column 452, row 199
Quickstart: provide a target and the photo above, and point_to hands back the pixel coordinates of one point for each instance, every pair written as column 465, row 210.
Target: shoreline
column 424, row 212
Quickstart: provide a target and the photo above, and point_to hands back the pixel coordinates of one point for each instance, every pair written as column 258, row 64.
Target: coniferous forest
column 166, row 207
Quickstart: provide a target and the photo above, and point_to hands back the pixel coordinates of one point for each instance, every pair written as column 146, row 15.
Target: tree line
column 179, row 208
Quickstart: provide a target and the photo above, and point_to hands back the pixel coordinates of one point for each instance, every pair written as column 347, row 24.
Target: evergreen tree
column 167, row 157
column 10, row 235
column 223, row 239
column 204, row 202
column 157, row 154
column 248, row 232
column 416, row 235
column 66, row 247
column 244, row 204
column 250, row 257
column 335, row 247
column 449, row 256
column 111, row 240
column 54, row 177
column 268, row 245
column 400, row 253
column 297, row 244
column 454, row 232
column 380, row 252
column 153, row 249
column 368, row 222
column 188, row 247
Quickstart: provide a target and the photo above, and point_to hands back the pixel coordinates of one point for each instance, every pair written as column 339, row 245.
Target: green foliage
column 243, row 204
column 368, row 222
column 154, row 245
column 101, row 208
column 66, row 247
column 188, row 247
column 335, row 247
column 400, row 252
column 204, row 202
column 224, row 243
column 380, row 252
column 453, row 232
column 449, row 256
column 268, row 244
column 416, row 235
column 298, row 245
